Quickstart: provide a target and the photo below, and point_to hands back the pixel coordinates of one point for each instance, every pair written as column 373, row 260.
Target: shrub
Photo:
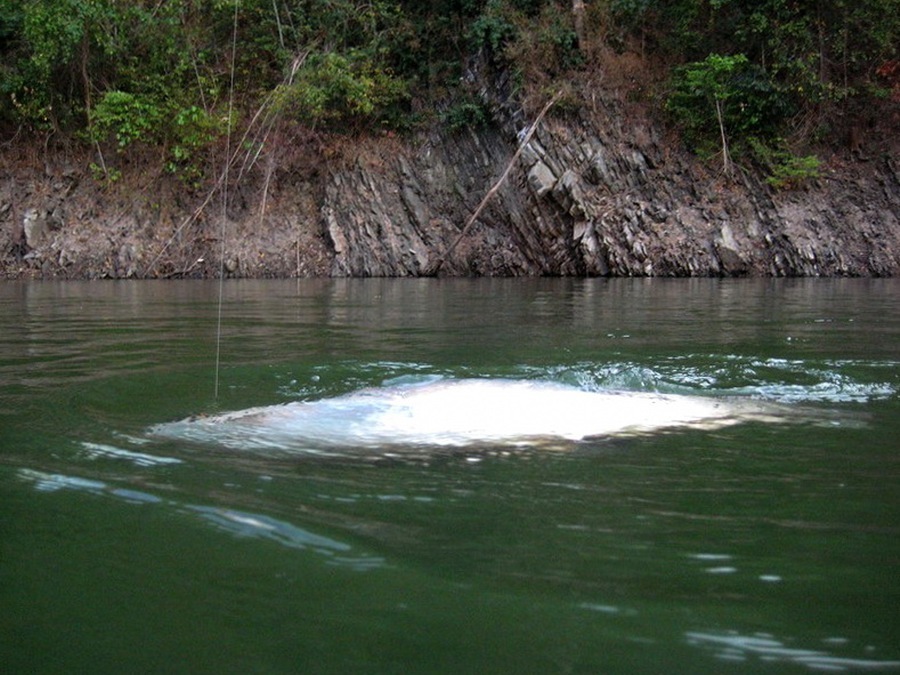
column 465, row 114
column 127, row 118
column 492, row 29
column 787, row 170
column 192, row 130
column 791, row 171
column 335, row 89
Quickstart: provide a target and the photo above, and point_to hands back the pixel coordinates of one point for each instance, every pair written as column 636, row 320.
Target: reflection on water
column 105, row 451
column 735, row 647
column 238, row 523
column 257, row 525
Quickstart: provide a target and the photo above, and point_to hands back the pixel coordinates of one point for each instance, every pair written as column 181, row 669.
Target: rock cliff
column 598, row 189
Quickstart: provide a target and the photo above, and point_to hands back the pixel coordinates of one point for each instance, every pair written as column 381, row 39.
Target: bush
column 335, row 89
column 791, row 171
column 787, row 171
column 127, row 118
column 192, row 130
column 464, row 115
column 492, row 29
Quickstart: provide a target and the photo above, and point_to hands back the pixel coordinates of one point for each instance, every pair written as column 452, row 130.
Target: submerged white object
column 456, row 413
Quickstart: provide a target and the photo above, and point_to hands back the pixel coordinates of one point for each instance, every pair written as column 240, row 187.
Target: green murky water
column 758, row 547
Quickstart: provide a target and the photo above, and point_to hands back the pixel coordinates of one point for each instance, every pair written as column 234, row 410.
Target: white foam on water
column 458, row 413
column 771, row 379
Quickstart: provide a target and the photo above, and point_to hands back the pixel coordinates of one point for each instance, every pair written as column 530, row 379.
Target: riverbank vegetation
column 765, row 81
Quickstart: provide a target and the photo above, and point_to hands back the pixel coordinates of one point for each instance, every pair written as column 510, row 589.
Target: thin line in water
column 225, row 206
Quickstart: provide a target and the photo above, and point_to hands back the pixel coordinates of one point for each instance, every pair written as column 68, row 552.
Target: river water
column 763, row 546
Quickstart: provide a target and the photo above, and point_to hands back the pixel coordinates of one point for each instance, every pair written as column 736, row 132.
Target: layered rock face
column 599, row 192
column 596, row 190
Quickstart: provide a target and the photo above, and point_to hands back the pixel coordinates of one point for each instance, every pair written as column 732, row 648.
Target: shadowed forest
column 762, row 81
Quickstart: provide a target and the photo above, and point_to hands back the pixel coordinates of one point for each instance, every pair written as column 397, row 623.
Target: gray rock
column 541, row 179
column 36, row 228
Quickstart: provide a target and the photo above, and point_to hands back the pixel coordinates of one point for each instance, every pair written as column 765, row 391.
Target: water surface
column 755, row 547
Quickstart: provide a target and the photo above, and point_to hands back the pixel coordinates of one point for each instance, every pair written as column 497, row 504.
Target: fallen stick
column 432, row 270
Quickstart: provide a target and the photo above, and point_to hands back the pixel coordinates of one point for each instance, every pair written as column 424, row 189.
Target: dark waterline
column 753, row 548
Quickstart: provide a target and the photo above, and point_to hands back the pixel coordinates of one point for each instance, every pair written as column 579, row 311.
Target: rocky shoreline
column 602, row 190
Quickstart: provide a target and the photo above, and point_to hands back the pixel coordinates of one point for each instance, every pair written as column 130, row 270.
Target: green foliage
column 190, row 131
column 66, row 49
column 492, row 29
column 790, row 171
column 105, row 175
column 127, row 117
column 26, row 105
column 725, row 91
column 61, row 31
column 554, row 43
column 535, row 39
column 465, row 114
column 669, row 25
column 145, row 71
column 786, row 170
column 69, row 53
column 818, row 56
column 336, row 89
column 10, row 21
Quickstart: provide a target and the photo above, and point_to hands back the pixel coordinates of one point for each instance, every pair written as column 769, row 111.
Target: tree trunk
column 85, row 77
column 578, row 17
column 726, row 159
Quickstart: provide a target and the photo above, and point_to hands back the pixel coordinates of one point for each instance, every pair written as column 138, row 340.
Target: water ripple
column 103, row 451
column 238, row 523
column 774, row 379
column 733, row 646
